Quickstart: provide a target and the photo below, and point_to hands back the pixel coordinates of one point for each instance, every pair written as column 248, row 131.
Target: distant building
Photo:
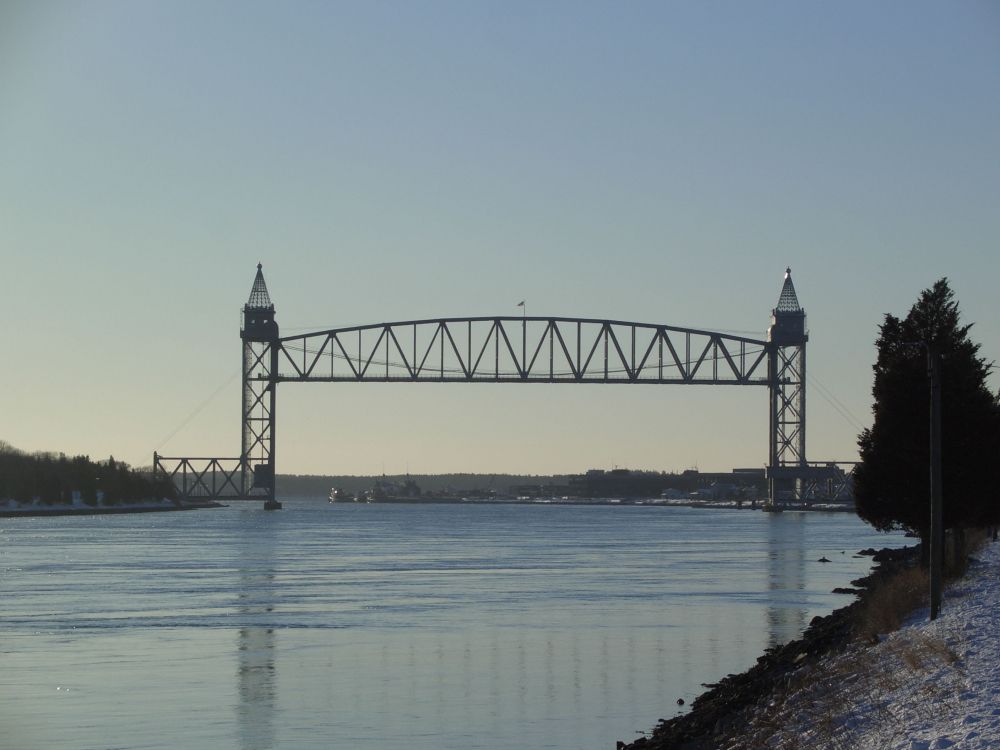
column 736, row 484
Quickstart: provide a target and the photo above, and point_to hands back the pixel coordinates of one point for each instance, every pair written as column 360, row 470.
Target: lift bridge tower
column 787, row 468
column 261, row 344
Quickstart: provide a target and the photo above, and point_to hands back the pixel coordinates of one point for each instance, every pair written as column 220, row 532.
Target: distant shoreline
column 577, row 501
column 35, row 511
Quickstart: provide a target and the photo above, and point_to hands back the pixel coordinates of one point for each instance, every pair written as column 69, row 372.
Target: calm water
column 382, row 626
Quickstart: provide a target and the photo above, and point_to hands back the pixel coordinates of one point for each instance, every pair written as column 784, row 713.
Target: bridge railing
column 522, row 349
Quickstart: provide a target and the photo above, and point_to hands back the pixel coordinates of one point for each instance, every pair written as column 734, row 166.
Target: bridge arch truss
column 521, row 350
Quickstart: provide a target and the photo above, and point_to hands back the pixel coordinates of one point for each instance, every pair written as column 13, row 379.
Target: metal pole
column 772, row 437
column 937, row 532
column 802, row 404
column 272, row 386
column 524, row 340
column 246, row 477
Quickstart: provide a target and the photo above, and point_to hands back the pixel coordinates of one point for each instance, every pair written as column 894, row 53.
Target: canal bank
column 35, row 509
column 926, row 685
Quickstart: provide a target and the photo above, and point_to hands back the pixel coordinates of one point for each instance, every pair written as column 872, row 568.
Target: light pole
column 936, row 535
column 937, row 530
column 524, row 337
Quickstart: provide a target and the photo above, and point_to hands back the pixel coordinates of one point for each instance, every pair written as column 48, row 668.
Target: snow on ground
column 929, row 685
column 964, row 710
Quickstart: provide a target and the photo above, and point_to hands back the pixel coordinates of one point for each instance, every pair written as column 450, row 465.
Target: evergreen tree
column 892, row 486
column 53, row 478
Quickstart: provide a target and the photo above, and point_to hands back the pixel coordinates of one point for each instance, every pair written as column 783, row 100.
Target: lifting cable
column 198, row 410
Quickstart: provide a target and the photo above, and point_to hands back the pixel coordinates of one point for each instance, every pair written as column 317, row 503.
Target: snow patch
column 929, row 685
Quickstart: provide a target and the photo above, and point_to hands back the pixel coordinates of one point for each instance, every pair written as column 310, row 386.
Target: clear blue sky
column 661, row 162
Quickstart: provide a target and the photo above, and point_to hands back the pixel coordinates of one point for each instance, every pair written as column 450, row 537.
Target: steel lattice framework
column 502, row 350
column 521, row 350
column 203, row 477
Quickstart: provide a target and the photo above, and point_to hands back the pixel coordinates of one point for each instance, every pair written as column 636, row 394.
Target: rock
column 891, row 555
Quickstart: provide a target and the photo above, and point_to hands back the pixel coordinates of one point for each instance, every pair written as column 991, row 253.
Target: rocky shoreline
column 731, row 704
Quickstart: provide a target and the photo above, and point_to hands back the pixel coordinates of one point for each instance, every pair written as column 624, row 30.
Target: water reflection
column 518, row 687
column 580, row 629
column 786, row 577
column 256, row 677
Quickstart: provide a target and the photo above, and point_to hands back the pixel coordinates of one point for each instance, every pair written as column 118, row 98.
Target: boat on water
column 272, row 505
column 338, row 495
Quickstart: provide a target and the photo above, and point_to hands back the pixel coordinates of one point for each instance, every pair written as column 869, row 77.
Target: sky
column 661, row 162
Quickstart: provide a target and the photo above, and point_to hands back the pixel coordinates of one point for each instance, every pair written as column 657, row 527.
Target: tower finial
column 259, row 298
column 788, row 301
column 788, row 319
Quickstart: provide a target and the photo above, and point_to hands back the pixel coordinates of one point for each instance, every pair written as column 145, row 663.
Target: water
column 377, row 626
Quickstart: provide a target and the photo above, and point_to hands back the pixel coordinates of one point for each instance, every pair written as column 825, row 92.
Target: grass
column 892, row 601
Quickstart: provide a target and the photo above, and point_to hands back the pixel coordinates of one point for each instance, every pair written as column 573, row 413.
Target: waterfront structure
column 509, row 350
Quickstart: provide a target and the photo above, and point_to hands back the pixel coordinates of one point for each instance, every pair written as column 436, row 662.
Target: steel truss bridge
column 521, row 350
column 509, row 350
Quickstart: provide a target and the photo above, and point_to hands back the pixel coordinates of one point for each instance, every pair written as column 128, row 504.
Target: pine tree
column 892, row 489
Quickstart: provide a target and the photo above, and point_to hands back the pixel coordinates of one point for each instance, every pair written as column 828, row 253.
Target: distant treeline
column 592, row 484
column 295, row 485
column 54, row 477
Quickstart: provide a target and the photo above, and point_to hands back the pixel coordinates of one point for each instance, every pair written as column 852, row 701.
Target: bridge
column 508, row 349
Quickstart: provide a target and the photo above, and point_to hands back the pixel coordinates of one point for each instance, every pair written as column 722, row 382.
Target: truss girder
column 538, row 350
column 836, row 488
column 215, row 478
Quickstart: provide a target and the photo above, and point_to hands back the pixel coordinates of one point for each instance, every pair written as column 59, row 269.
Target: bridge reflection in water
column 256, row 669
column 386, row 680
column 786, row 577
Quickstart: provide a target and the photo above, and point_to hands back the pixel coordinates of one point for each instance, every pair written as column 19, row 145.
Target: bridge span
column 522, row 349
column 505, row 349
